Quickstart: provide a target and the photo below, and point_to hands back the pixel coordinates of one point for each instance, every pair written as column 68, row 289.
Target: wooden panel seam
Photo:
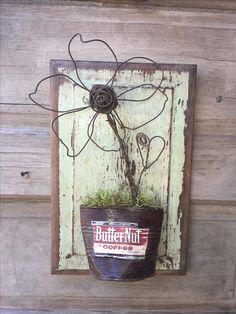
column 164, row 303
column 45, row 198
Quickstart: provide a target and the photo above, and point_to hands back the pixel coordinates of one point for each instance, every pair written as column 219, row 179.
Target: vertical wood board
column 93, row 169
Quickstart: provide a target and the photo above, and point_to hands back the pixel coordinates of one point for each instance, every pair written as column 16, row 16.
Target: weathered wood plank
column 79, row 305
column 75, row 182
column 167, row 36
column 16, row 209
column 211, row 118
column 207, row 39
column 26, row 262
column 28, row 250
column 214, row 169
column 215, row 154
column 213, row 212
column 215, row 78
column 226, row 307
column 200, row 4
column 36, row 183
column 228, row 4
column 25, row 209
column 183, row 4
column 132, row 14
column 210, row 82
column 213, row 157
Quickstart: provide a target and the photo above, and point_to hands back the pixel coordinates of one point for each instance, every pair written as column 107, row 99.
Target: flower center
column 102, row 98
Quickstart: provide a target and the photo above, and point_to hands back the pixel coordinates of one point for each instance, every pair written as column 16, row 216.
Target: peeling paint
column 94, row 169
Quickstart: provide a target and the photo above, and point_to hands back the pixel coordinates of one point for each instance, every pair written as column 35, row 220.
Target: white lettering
column 98, row 233
column 130, row 235
column 138, row 235
column 127, row 234
column 116, row 236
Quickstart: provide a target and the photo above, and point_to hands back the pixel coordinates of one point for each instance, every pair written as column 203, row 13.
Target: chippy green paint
column 177, row 161
column 94, row 169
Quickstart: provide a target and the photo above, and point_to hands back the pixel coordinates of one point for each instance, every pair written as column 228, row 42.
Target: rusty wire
column 103, row 100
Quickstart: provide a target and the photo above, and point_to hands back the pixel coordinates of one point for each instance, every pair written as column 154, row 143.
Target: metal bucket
column 121, row 243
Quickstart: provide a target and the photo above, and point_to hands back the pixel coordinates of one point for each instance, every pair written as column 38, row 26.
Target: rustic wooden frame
column 188, row 133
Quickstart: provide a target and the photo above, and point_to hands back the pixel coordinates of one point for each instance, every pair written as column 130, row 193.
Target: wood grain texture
column 207, row 39
column 171, row 4
column 26, row 263
column 199, row 4
column 28, row 149
column 207, row 307
column 33, row 34
column 62, row 306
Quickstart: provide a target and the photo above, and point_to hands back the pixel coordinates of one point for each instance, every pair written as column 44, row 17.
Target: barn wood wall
column 31, row 35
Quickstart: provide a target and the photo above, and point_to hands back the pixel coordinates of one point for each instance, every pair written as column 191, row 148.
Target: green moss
column 120, row 199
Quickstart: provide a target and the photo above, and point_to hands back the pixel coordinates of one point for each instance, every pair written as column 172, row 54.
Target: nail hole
column 219, row 99
column 24, row 173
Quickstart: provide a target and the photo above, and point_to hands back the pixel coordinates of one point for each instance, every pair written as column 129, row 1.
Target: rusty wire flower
column 104, row 100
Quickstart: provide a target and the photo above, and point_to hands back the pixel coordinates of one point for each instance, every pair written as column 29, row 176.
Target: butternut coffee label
column 124, row 239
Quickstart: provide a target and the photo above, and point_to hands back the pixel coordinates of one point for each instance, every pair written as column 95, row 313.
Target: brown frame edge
column 55, row 212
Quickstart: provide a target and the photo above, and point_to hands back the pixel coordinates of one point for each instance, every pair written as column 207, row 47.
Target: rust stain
column 133, row 167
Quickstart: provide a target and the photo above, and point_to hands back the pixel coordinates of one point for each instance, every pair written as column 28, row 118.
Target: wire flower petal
column 121, row 65
column 48, row 78
column 74, row 145
column 142, row 112
column 104, row 137
column 142, row 98
column 79, row 36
